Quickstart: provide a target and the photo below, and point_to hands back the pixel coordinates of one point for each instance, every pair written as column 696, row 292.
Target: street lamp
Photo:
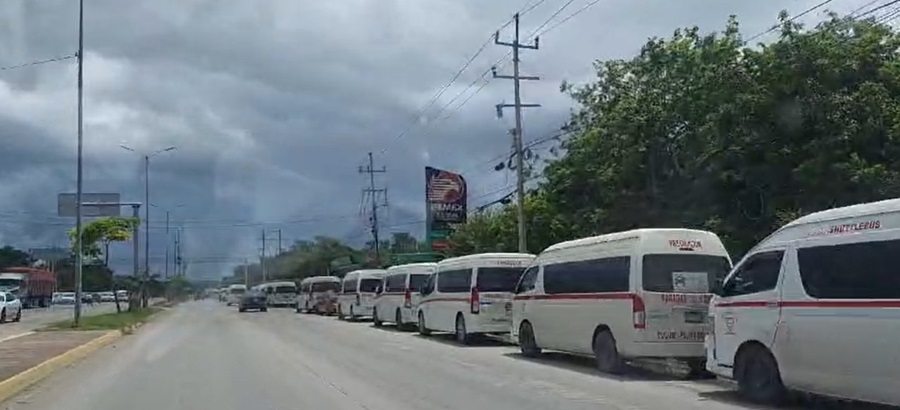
column 167, row 235
column 147, row 213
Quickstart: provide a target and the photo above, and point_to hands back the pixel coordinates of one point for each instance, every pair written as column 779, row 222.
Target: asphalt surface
column 33, row 319
column 202, row 355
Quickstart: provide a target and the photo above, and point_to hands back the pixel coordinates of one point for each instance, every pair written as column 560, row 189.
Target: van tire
column 340, row 312
column 423, row 330
column 375, row 320
column 352, row 317
column 758, row 377
column 527, row 342
column 606, row 355
column 460, row 331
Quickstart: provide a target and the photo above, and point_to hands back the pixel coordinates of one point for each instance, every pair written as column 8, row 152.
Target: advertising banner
column 446, row 205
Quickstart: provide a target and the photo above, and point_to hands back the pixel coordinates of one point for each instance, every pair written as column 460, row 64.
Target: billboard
column 66, row 205
column 446, row 206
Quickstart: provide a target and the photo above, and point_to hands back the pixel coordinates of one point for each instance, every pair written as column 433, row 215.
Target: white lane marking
column 16, row 336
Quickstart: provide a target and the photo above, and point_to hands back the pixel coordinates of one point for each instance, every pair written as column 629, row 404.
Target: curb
column 15, row 384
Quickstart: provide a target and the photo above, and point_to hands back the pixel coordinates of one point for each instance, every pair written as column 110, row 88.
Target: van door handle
column 771, row 304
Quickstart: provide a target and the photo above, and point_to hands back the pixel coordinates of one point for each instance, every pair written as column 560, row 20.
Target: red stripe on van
column 818, row 304
column 445, row 300
column 578, row 296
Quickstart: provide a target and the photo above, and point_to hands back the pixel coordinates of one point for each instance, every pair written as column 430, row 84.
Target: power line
column 890, row 3
column 569, row 17
column 552, row 16
column 803, row 13
column 38, row 62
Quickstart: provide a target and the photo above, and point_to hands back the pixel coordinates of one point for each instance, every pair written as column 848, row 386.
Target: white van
column 318, row 294
column 280, row 293
column 815, row 307
column 641, row 294
column 235, row 292
column 399, row 294
column 357, row 298
column 471, row 294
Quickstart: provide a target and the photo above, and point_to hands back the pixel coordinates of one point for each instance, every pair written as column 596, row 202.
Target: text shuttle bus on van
column 399, row 293
column 641, row 294
column 471, row 295
column 318, row 294
column 815, row 307
column 357, row 298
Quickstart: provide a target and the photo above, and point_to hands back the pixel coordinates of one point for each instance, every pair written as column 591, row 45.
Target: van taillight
column 407, row 298
column 638, row 312
column 475, row 301
column 357, row 298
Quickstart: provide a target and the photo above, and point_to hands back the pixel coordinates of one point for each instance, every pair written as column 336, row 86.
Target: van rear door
column 676, row 289
column 495, row 287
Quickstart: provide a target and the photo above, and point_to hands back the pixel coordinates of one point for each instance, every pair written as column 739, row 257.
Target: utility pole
column 279, row 243
column 518, row 136
column 373, row 192
column 262, row 257
column 246, row 273
column 177, row 252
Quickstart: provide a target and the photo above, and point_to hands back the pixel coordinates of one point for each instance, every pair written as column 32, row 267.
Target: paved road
column 35, row 318
column 203, row 355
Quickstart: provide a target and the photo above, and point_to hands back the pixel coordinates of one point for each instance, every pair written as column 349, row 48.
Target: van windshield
column 369, row 285
column 238, row 291
column 416, row 281
column 498, row 279
column 285, row 289
column 326, row 286
column 684, row 273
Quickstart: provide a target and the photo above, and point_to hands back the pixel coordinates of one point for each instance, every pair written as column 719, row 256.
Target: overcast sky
column 274, row 104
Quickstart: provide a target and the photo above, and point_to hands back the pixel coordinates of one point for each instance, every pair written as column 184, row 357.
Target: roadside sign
column 66, row 205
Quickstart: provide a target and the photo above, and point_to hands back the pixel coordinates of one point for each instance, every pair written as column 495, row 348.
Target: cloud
column 274, row 105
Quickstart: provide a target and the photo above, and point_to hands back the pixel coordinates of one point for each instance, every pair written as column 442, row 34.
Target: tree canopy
column 704, row 131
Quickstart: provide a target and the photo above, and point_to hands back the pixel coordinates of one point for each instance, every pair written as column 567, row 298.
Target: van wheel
column 18, row 317
column 352, row 316
column 398, row 319
column 606, row 355
column 527, row 343
column 340, row 312
column 375, row 320
column 462, row 337
column 424, row 331
column 758, row 377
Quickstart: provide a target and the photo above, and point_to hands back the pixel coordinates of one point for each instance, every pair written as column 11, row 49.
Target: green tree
column 10, row 256
column 97, row 235
column 703, row 131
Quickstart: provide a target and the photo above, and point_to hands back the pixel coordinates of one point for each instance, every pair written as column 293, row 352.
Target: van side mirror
column 378, row 290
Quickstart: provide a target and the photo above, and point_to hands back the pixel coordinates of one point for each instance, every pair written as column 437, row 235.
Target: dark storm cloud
column 273, row 105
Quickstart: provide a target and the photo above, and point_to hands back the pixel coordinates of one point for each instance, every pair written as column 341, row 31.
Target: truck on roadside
column 33, row 286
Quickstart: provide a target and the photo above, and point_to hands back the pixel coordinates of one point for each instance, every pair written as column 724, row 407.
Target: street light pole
column 146, row 276
column 79, row 259
column 146, row 232
column 167, row 244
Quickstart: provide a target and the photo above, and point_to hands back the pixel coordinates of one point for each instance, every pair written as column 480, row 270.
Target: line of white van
column 814, row 307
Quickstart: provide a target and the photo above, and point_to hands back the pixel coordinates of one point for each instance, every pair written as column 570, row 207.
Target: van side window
column 529, row 278
column 864, row 270
column 393, row 283
column 590, row 276
column 455, row 280
column 349, row 286
column 758, row 274
column 428, row 286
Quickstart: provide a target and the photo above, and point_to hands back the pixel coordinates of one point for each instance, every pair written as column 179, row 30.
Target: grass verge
column 107, row 321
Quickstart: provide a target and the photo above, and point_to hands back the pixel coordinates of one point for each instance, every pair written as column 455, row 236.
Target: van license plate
column 694, row 317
